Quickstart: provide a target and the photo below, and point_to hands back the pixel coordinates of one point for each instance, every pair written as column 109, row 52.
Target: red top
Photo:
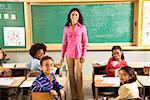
column 112, row 64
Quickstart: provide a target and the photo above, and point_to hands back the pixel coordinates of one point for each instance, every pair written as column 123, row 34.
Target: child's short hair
column 36, row 47
column 130, row 72
column 4, row 54
column 45, row 58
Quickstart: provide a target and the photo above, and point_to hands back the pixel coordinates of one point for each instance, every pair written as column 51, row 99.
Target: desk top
column 28, row 82
column 138, row 64
column 14, row 81
column 132, row 64
column 144, row 80
column 109, row 82
column 15, row 65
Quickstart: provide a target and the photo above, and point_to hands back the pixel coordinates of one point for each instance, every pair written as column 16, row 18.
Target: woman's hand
column 61, row 60
column 82, row 59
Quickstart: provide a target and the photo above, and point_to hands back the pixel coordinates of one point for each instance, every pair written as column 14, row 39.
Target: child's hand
column 62, row 93
column 54, row 93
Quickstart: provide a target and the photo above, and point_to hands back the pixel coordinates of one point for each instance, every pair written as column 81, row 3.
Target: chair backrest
column 42, row 96
column 147, row 70
column 33, row 74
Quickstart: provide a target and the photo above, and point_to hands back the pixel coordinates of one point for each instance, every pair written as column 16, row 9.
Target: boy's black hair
column 35, row 47
column 45, row 58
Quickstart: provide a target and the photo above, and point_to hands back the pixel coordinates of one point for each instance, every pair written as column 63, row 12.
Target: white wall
column 130, row 56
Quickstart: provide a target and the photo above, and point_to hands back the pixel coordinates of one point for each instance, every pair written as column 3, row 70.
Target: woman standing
column 74, row 47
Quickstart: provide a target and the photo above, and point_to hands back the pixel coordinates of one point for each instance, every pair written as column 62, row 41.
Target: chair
column 41, row 96
column 147, row 70
column 33, row 74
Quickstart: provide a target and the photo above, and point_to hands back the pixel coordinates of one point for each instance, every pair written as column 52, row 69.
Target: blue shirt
column 35, row 65
column 43, row 84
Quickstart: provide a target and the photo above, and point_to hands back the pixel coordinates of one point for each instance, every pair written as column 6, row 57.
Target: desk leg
column 96, row 93
column 143, row 93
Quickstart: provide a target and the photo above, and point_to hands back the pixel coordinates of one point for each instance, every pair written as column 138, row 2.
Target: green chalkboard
column 106, row 23
column 10, row 9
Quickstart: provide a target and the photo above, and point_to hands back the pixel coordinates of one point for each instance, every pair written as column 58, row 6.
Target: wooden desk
column 145, row 82
column 108, row 82
column 97, row 69
column 13, row 86
column 16, row 83
column 18, row 69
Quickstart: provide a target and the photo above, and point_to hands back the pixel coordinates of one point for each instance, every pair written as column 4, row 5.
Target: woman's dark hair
column 130, row 72
column 35, row 47
column 4, row 54
column 118, row 47
column 80, row 16
column 45, row 58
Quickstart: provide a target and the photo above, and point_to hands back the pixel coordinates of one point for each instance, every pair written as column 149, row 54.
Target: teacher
column 74, row 47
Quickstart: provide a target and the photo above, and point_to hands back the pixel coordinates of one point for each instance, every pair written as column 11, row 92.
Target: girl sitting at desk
column 115, row 62
column 128, row 89
column 37, row 51
column 46, row 81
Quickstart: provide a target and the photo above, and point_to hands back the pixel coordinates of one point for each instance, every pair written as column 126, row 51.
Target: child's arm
column 35, row 87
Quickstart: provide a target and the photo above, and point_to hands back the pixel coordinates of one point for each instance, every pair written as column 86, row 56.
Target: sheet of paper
column 111, row 80
column 6, row 81
column 9, row 65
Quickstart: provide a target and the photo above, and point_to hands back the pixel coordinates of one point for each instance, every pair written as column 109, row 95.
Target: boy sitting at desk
column 46, row 81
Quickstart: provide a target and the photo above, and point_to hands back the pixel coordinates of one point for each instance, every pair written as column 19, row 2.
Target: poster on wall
column 146, row 24
column 14, row 36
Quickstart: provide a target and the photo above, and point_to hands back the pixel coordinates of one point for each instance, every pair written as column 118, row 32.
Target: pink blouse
column 74, row 44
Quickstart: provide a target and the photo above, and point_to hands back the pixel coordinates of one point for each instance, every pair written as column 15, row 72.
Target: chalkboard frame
column 96, row 46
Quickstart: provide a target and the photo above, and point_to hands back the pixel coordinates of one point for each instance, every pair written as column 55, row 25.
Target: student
column 115, row 62
column 37, row 51
column 46, row 81
column 128, row 88
column 3, row 71
column 74, row 47
column 2, row 56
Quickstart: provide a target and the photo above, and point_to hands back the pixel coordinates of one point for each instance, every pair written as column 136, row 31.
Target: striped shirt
column 43, row 84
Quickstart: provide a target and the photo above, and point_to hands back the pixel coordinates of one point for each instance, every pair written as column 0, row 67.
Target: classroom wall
column 132, row 56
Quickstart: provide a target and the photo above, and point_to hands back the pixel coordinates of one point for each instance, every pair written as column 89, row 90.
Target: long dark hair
column 131, row 73
column 80, row 16
column 118, row 47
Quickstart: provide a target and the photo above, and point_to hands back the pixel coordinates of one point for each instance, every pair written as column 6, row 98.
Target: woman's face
column 39, row 54
column 47, row 66
column 74, row 16
column 124, row 77
column 117, row 54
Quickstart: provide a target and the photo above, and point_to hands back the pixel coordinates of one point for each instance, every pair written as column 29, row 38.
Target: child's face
column 117, row 54
column 1, row 54
column 74, row 16
column 124, row 77
column 47, row 66
column 39, row 54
